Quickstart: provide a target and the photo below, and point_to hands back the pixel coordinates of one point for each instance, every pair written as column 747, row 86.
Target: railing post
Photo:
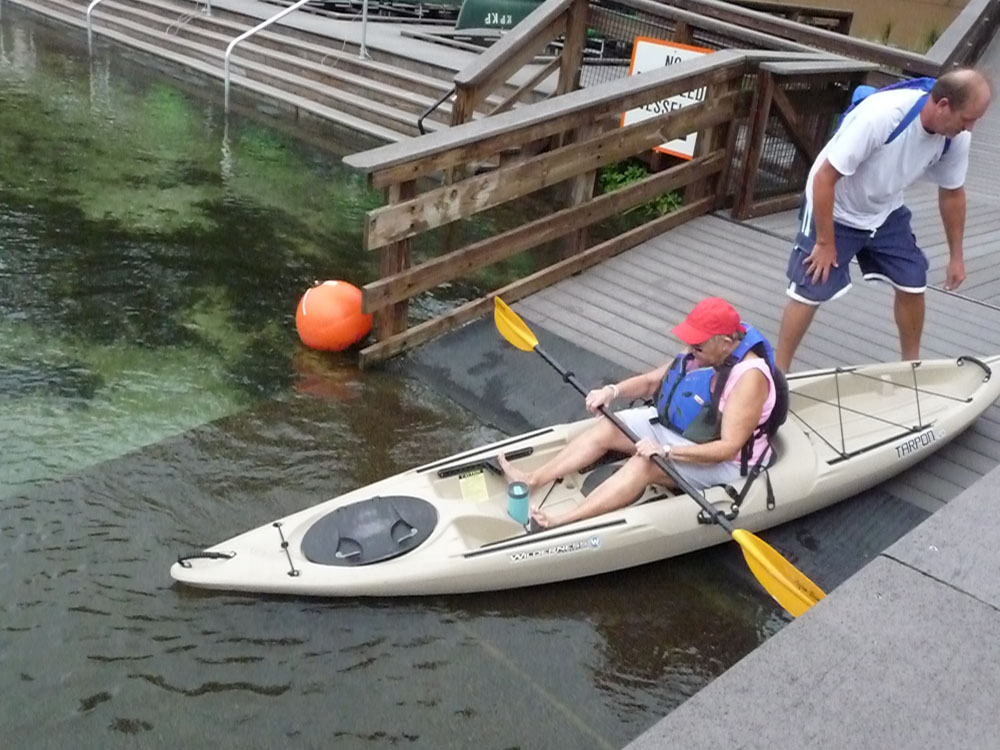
column 760, row 111
column 580, row 190
column 683, row 33
column 572, row 52
column 461, row 110
column 712, row 139
column 725, row 136
column 393, row 258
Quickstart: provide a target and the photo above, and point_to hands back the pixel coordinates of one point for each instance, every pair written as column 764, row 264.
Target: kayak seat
column 369, row 531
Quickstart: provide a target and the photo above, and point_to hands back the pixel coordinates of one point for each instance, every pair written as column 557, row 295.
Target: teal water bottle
column 517, row 502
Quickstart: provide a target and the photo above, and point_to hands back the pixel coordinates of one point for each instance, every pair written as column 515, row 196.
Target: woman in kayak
column 711, row 415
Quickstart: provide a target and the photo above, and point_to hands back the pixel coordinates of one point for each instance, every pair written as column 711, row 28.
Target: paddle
column 782, row 580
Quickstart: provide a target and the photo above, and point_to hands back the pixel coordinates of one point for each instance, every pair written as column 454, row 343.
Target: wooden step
column 243, row 69
column 275, row 38
column 389, row 106
column 293, row 102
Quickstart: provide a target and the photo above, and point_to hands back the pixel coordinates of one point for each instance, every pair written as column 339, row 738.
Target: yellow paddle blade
column 511, row 326
column 789, row 587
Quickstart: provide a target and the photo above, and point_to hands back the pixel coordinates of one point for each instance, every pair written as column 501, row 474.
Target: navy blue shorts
column 888, row 254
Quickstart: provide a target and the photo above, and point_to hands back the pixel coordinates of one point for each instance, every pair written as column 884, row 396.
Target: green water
column 152, row 258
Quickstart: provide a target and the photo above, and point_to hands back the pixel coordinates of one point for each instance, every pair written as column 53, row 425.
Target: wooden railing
column 964, row 40
column 586, row 125
column 552, row 20
column 834, row 19
column 902, row 61
column 564, row 24
column 766, row 115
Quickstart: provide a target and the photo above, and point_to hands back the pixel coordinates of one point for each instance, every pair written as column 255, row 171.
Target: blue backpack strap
column 918, row 84
column 908, row 118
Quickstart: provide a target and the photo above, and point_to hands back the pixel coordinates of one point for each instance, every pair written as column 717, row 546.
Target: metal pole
column 248, row 33
column 363, row 52
column 90, row 34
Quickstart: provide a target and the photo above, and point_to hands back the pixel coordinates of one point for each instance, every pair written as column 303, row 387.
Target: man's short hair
column 957, row 86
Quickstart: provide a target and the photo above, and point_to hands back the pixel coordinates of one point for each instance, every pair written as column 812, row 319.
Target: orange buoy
column 329, row 316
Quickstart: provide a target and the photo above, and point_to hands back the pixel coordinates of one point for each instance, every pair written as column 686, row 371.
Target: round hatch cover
column 369, row 531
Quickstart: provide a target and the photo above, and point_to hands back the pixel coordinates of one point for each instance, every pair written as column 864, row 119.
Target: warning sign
column 652, row 54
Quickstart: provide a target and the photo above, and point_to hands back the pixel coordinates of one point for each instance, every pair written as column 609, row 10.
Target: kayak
column 445, row 527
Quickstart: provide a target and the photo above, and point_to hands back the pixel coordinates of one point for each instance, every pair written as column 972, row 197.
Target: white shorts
column 701, row 476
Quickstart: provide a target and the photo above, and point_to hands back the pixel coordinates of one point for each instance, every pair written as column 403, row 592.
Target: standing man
column 853, row 204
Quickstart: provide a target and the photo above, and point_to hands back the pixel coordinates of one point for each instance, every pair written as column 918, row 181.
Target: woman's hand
column 648, row 448
column 600, row 397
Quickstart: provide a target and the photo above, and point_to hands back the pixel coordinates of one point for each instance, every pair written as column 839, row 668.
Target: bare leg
column 611, row 494
column 582, row 451
column 909, row 310
column 794, row 324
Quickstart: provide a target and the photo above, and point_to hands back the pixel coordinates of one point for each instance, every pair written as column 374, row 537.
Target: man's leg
column 892, row 255
column 909, row 310
column 794, row 324
column 805, row 294
column 582, row 451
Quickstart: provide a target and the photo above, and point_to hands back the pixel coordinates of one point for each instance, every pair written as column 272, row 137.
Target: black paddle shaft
column 664, row 465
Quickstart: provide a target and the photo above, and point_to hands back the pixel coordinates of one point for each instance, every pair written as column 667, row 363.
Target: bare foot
column 543, row 519
column 512, row 474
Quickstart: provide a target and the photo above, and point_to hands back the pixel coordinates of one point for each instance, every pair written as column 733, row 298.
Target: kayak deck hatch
column 369, row 531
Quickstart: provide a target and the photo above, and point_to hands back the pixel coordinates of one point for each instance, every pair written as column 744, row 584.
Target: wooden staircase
column 306, row 72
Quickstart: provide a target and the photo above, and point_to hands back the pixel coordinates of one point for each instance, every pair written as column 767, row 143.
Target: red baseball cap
column 713, row 316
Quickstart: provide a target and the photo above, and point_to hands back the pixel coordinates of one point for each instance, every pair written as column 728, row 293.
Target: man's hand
column 820, row 260
column 956, row 274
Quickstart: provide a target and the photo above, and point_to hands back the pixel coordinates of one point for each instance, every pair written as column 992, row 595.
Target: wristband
column 614, row 390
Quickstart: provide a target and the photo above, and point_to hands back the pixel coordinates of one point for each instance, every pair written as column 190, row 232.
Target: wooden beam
column 793, row 124
column 544, row 72
column 760, row 111
column 811, row 68
column 479, row 139
column 463, row 261
column 449, row 203
column 683, row 33
column 430, row 329
column 572, row 53
column 711, row 139
column 666, row 16
column 390, row 320
column 580, row 190
column 785, row 202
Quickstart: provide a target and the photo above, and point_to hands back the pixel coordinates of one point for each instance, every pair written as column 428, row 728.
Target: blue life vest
column 688, row 404
column 919, row 84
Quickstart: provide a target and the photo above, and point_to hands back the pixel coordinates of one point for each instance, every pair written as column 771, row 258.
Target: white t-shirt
column 875, row 174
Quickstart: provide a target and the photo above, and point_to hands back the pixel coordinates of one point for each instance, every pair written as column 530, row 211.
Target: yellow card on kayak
column 473, row 486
